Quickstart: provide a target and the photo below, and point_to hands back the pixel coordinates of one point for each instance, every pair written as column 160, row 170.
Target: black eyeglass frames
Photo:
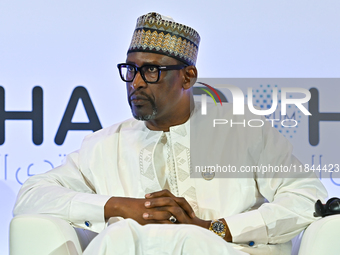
column 149, row 73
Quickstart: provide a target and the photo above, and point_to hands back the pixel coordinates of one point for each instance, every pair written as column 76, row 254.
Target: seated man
column 138, row 171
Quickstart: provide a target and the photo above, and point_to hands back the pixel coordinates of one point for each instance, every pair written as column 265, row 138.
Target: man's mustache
column 140, row 95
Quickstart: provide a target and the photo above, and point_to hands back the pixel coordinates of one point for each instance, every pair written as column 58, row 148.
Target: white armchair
column 33, row 234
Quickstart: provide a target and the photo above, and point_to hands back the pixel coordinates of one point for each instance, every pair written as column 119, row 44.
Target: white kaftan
column 120, row 161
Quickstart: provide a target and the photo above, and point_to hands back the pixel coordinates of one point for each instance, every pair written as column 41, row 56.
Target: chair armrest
column 39, row 234
column 321, row 237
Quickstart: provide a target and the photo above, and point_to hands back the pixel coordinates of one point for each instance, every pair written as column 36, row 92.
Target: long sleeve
column 78, row 190
column 63, row 192
column 291, row 197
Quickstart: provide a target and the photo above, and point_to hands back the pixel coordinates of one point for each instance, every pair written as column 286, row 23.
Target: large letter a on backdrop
column 66, row 122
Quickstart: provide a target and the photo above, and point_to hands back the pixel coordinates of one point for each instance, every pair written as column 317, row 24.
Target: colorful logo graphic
column 204, row 97
column 209, row 93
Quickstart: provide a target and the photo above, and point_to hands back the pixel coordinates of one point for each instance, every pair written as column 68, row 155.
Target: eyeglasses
column 149, row 73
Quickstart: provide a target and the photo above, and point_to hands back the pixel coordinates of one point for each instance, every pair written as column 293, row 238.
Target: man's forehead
column 142, row 58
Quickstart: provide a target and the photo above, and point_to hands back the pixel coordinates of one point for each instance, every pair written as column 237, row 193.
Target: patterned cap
column 159, row 34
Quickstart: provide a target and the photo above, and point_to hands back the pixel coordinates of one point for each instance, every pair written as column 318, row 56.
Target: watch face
column 218, row 227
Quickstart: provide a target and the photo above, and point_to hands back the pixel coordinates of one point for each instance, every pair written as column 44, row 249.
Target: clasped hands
column 156, row 208
column 161, row 205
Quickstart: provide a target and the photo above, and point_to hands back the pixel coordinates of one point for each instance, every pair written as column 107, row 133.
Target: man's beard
column 145, row 117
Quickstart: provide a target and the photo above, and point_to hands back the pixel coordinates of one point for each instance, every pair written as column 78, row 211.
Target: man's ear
column 190, row 77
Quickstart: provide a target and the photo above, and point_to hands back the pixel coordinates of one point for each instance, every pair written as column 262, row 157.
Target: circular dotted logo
column 263, row 98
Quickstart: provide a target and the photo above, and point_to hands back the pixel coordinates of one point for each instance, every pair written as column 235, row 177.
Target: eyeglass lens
column 150, row 73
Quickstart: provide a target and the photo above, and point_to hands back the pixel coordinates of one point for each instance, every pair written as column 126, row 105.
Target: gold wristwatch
column 218, row 227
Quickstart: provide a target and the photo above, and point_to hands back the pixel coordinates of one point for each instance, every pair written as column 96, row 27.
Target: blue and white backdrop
column 64, row 55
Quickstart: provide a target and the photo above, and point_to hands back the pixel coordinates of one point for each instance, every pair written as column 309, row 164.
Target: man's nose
column 138, row 81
